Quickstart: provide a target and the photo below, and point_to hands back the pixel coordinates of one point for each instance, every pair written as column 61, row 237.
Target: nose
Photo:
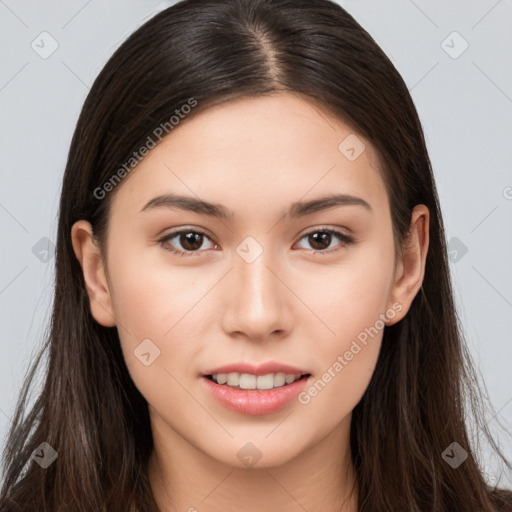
column 258, row 300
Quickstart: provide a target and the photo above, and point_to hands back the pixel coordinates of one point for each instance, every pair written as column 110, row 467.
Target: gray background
column 464, row 99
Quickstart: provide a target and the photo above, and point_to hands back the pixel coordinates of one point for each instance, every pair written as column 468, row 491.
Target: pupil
column 192, row 240
column 314, row 240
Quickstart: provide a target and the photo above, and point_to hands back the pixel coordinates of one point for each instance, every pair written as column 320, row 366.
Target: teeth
column 222, row 378
column 289, row 379
column 248, row 381
column 232, row 379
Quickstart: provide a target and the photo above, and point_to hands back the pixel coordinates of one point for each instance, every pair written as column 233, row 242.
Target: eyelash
column 345, row 239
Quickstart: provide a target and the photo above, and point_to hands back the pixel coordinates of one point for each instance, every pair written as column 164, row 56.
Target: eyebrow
column 296, row 210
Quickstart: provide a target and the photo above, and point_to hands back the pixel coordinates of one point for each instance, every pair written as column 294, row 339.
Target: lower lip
column 255, row 402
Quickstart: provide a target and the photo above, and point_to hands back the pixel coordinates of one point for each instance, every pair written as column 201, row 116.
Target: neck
column 184, row 478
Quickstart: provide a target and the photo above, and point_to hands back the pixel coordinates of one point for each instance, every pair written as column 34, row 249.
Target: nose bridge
column 257, row 282
column 258, row 300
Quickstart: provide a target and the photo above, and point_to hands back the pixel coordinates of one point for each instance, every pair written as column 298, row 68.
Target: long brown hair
column 423, row 386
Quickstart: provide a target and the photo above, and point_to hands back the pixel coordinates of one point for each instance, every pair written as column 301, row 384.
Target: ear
column 410, row 268
column 89, row 255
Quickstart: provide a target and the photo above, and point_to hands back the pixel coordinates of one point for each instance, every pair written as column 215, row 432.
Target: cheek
column 150, row 303
column 345, row 361
column 349, row 298
column 152, row 317
column 149, row 294
column 352, row 303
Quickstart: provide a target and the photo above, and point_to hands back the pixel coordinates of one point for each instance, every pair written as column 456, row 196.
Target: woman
column 253, row 307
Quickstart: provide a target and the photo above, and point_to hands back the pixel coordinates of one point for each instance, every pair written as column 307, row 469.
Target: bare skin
column 255, row 157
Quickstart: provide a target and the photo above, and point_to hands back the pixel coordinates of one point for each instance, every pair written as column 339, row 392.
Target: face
column 272, row 281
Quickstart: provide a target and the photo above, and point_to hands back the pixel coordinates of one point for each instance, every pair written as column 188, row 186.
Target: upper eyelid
column 204, row 232
column 180, row 231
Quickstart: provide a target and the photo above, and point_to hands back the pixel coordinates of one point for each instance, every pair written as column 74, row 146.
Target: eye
column 321, row 239
column 191, row 240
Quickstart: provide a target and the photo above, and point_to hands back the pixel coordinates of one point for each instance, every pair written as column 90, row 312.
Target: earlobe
column 89, row 256
column 410, row 269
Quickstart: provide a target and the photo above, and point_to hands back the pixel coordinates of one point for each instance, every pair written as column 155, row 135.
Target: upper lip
column 260, row 369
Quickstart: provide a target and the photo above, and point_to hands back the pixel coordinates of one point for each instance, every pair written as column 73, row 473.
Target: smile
column 254, row 401
column 249, row 381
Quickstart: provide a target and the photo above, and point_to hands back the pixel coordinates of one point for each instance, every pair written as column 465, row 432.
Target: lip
column 261, row 369
column 255, row 402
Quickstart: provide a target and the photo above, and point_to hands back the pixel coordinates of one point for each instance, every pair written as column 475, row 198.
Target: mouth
column 255, row 395
column 251, row 382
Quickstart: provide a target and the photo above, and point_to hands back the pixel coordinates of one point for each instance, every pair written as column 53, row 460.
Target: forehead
column 252, row 152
